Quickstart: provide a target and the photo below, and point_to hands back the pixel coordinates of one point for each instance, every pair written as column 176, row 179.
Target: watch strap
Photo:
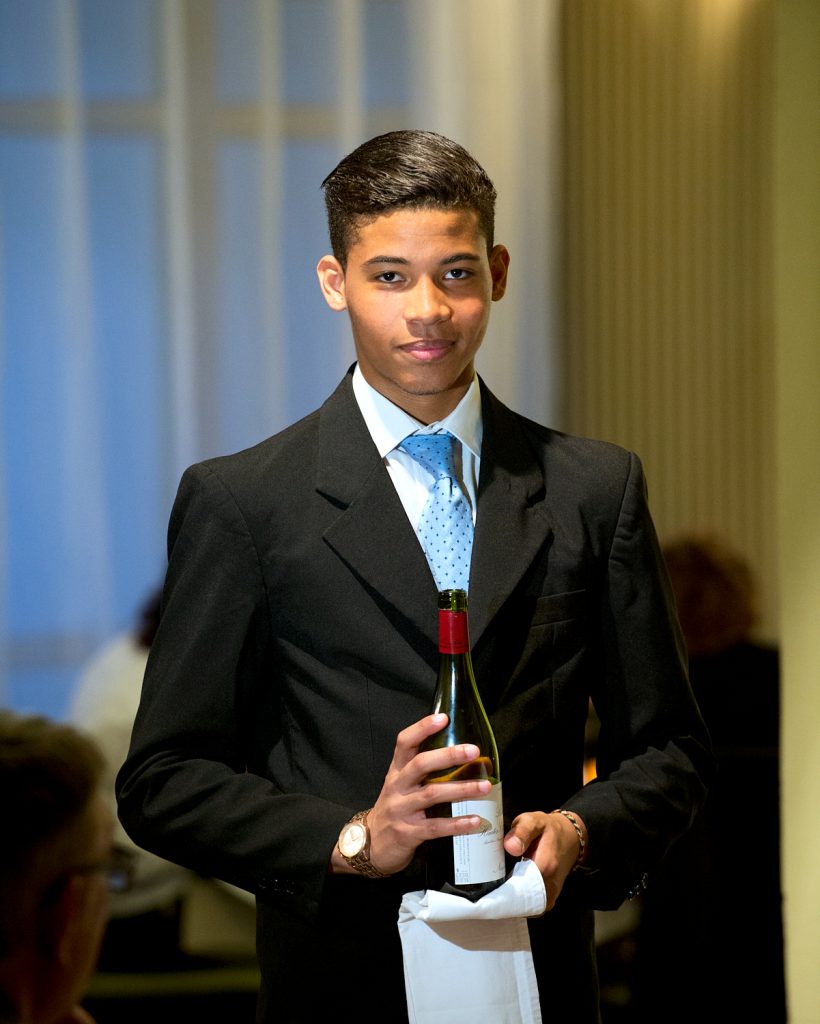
column 361, row 861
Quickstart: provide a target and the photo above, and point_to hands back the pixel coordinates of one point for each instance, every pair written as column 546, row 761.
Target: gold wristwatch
column 354, row 846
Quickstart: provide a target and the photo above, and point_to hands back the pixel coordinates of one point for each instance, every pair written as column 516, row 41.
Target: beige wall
column 797, row 305
column 668, row 264
column 692, row 318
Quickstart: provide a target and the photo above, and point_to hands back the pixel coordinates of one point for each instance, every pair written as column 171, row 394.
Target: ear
column 499, row 264
column 332, row 282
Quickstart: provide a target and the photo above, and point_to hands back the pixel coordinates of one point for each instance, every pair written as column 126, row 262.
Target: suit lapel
column 512, row 522
column 373, row 536
column 372, row 533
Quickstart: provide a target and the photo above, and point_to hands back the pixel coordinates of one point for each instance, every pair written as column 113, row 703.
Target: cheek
column 96, row 912
column 373, row 326
column 96, row 921
column 476, row 313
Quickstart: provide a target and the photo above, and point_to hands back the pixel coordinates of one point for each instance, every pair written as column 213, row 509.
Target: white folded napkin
column 466, row 961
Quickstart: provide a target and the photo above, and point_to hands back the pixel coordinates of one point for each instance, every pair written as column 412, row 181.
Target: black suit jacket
column 298, row 636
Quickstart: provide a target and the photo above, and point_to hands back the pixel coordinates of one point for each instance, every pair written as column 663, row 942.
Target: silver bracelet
column 582, row 844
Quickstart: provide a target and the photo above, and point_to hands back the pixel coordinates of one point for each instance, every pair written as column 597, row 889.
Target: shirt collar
column 389, row 425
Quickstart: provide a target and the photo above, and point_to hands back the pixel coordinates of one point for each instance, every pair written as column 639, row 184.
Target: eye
column 457, row 274
column 388, row 277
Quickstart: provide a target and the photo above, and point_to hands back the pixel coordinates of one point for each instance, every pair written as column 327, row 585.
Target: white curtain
column 160, row 220
column 492, row 81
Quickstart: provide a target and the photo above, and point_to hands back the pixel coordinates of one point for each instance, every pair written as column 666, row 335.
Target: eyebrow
column 459, row 257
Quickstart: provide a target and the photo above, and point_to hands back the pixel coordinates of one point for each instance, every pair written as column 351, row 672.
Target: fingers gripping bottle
column 470, row 865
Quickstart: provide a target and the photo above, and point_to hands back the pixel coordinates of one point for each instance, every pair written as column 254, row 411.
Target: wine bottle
column 470, row 865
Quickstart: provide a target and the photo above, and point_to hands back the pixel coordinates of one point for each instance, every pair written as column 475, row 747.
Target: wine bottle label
column 480, row 857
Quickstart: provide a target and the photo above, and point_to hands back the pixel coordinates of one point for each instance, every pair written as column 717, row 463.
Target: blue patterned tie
column 446, row 525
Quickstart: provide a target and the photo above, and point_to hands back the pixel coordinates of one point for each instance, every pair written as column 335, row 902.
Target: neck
column 431, row 408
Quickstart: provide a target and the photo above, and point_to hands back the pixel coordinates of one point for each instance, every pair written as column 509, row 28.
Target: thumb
column 517, row 840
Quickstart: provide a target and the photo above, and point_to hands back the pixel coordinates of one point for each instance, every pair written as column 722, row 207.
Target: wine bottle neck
column 453, row 633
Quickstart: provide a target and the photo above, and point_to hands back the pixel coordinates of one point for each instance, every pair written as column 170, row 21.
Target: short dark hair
column 49, row 773
column 409, row 168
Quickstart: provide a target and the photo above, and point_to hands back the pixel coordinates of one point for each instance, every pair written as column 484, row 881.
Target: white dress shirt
column 389, row 425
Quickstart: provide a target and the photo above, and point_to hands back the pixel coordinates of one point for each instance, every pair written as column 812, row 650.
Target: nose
column 426, row 303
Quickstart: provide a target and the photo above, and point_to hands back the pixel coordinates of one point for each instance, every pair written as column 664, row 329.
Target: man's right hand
column 398, row 821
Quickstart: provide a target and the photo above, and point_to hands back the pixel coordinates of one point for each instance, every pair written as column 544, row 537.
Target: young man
column 54, row 863
column 291, row 676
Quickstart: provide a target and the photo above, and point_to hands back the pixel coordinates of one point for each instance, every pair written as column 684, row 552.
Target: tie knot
column 432, row 451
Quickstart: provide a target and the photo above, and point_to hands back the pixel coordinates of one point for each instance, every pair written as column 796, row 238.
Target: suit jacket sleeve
column 189, row 789
column 653, row 757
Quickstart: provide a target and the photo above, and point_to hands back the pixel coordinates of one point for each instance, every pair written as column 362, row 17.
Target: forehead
column 412, row 228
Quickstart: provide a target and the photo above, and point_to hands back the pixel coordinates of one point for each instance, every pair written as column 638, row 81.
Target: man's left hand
column 551, row 841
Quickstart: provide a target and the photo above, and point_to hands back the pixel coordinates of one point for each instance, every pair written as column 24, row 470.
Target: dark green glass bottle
column 471, row 865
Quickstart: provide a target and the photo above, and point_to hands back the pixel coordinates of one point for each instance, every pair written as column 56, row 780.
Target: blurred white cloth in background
column 105, row 704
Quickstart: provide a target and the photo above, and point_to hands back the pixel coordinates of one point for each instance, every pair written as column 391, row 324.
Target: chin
column 430, row 386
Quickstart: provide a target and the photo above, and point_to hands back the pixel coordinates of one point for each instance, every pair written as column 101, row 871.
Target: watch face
column 352, row 839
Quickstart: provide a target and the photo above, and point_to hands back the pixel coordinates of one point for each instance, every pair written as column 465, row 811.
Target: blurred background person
column 55, row 865
column 143, row 932
column 167, row 918
column 710, row 940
